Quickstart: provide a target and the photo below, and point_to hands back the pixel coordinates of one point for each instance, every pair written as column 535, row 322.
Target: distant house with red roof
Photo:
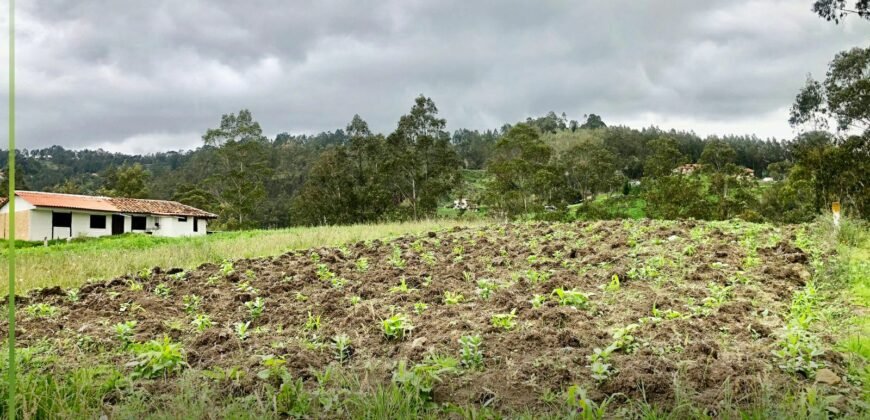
column 40, row 216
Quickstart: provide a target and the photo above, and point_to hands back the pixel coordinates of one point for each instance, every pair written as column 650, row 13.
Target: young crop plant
column 312, row 323
column 191, row 303
column 130, row 307
column 718, row 296
column 599, row 363
column 324, row 273
column 124, row 332
column 256, row 308
column 624, row 339
column 273, row 367
column 470, row 353
column 135, row 286
column 41, row 310
column 341, row 347
column 402, row 287
column 573, row 297
column 72, row 295
column 486, row 287
column 162, row 290
column 354, row 300
column 506, row 321
column 212, row 280
column 468, row 276
column 451, row 298
column 179, row 276
column 157, row 358
column 397, row 327
column 362, row 264
column 299, row 297
column 227, row 268
column 201, row 322
column 613, row 286
column 428, row 258
column 144, row 274
column 535, row 276
column 242, row 330
column 420, row 307
column 538, row 301
column 245, row 287
column 396, row 259
column 797, row 349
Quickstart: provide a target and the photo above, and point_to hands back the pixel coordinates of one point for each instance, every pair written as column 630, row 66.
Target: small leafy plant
column 162, row 290
column 256, row 308
column 486, row 287
column 362, row 264
column 402, row 287
column 538, row 300
column 41, row 310
column 124, row 332
column 341, row 347
column 397, row 327
column 451, row 298
column 470, row 353
column 571, row 297
column 506, row 321
column 191, row 303
column 201, row 322
column 156, row 358
column 242, row 330
column 420, row 307
column 227, row 268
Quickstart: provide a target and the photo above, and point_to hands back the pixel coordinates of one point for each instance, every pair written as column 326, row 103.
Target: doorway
column 117, row 224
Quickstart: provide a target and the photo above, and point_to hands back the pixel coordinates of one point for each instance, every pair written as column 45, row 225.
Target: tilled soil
column 715, row 350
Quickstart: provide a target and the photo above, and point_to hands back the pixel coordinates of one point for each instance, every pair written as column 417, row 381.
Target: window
column 182, row 219
column 195, row 225
column 137, row 223
column 98, row 221
column 61, row 220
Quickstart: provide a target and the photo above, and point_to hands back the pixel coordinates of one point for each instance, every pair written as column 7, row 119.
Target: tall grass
column 71, row 265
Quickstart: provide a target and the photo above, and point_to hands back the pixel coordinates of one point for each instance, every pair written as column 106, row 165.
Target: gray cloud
column 149, row 76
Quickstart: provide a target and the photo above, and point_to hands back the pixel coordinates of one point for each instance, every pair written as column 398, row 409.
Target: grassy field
column 70, row 265
column 604, row 319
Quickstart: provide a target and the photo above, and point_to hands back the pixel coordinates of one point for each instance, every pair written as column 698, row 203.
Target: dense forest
column 545, row 167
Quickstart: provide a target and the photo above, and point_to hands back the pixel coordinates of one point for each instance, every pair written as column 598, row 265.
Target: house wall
column 171, row 226
column 81, row 225
column 22, row 225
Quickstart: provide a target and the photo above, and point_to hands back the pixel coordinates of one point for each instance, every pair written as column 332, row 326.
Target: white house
column 40, row 216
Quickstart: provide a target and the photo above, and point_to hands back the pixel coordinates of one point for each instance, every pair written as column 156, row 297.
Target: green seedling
column 341, row 347
column 157, row 358
column 486, row 287
column 256, row 308
column 273, row 367
column 124, row 332
column 324, row 273
column 506, row 321
column 300, row 297
column 135, row 286
column 362, row 264
column 312, row 323
column 41, row 310
column 162, row 290
column 402, row 287
column 571, row 297
column 451, row 298
column 470, row 353
column 354, row 300
column 397, row 327
column 428, row 258
column 242, row 330
column 538, row 300
column 420, row 307
column 396, row 259
column 201, row 322
column 191, row 303
column 613, row 286
column 227, row 268
column 72, row 295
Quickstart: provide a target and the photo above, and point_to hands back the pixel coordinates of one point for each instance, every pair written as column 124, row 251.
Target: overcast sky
column 145, row 76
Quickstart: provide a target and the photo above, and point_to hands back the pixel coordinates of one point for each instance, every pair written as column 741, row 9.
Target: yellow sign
column 835, row 207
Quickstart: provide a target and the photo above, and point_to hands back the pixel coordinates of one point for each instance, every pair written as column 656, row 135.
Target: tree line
column 539, row 167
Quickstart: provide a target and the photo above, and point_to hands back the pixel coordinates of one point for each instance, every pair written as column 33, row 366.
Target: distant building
column 40, row 216
column 687, row 169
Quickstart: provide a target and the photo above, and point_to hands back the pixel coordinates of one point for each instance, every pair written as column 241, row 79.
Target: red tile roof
column 110, row 204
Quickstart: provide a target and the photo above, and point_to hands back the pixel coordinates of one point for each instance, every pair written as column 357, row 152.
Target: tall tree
column 129, row 181
column 664, row 156
column 239, row 168
column 844, row 95
column 593, row 121
column 836, row 10
column 519, row 169
column 423, row 165
column 589, row 168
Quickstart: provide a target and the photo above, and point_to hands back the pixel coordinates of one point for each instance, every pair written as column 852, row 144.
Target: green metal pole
column 11, row 409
